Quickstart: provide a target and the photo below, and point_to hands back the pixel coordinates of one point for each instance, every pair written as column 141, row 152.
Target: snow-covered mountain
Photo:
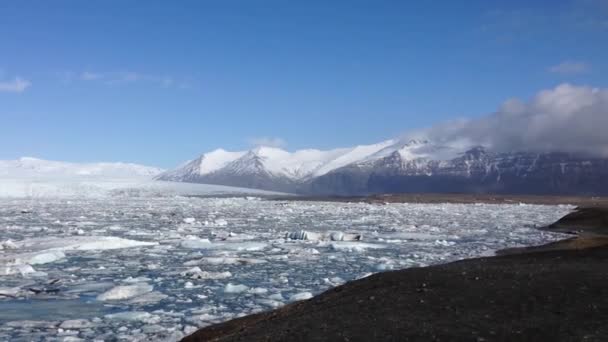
column 268, row 167
column 423, row 167
column 290, row 169
column 398, row 166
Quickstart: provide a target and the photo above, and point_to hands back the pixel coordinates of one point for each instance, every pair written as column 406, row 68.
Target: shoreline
column 453, row 198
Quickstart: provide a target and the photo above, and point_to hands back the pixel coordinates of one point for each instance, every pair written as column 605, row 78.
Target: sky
column 160, row 82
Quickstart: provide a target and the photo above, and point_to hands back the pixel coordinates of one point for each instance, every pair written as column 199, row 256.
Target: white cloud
column 129, row 76
column 17, row 85
column 566, row 118
column 121, row 77
column 90, row 76
column 570, row 68
column 267, row 141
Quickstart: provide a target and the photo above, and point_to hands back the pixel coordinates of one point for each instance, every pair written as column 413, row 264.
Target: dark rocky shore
column 544, row 294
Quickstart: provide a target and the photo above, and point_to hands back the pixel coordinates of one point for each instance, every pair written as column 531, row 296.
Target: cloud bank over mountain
column 567, row 118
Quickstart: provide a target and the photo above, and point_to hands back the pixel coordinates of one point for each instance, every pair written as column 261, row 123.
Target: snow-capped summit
column 268, row 165
column 411, row 149
column 207, row 163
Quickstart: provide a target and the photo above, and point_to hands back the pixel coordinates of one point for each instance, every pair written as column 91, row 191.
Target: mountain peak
column 268, row 151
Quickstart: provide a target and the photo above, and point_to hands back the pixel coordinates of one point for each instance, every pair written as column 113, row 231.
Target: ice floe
column 125, row 292
column 323, row 236
column 156, row 268
column 300, row 296
column 230, row 288
column 197, row 273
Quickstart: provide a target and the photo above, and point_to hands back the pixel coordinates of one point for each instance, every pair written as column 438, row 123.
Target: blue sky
column 161, row 82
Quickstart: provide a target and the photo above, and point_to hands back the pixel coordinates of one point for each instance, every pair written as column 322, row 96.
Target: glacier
column 38, row 178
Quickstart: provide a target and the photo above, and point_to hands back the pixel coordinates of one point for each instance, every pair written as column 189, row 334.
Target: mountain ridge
column 408, row 166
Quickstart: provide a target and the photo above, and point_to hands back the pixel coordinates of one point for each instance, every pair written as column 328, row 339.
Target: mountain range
column 397, row 166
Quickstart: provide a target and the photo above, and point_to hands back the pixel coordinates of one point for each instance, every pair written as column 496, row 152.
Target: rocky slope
column 475, row 171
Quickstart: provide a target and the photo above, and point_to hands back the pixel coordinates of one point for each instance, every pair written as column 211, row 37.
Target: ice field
column 156, row 268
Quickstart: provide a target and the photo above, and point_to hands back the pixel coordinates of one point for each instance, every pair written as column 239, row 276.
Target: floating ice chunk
column 194, row 242
column 258, row 290
column 230, row 288
column 355, row 246
column 9, row 291
column 8, row 244
column 232, row 236
column 152, row 329
column 76, row 324
column 304, row 235
column 335, row 281
column 203, row 318
column 149, row 298
column 197, row 273
column 189, row 220
column 21, row 263
column 189, row 329
column 225, row 261
column 271, row 303
column 80, row 243
column 143, row 316
column 365, row 275
column 384, row 267
column 90, row 287
column 125, row 292
column 131, row 280
column 46, row 257
column 339, row 236
column 22, row 269
column 277, row 297
column 300, row 296
column 29, row 324
column 326, row 236
column 244, row 246
column 71, row 338
column 444, row 243
column 191, row 272
column 221, row 222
